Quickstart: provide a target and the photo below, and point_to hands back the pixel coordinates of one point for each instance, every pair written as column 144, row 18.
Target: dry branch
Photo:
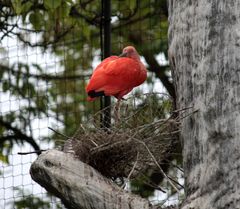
column 80, row 186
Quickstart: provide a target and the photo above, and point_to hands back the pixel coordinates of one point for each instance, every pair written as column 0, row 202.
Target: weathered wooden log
column 80, row 186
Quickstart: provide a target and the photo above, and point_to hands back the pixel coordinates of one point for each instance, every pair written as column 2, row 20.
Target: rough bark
column 80, row 186
column 204, row 40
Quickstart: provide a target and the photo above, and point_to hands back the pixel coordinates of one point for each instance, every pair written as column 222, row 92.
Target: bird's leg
column 116, row 110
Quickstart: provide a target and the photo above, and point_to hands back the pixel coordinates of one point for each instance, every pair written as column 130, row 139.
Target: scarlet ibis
column 117, row 75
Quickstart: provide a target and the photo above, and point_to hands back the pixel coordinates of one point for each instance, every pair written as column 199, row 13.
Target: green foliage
column 29, row 201
column 36, row 20
column 17, row 5
column 3, row 158
column 139, row 186
column 52, row 4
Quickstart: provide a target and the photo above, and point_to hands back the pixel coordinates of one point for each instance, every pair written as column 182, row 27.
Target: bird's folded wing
column 124, row 67
column 117, row 74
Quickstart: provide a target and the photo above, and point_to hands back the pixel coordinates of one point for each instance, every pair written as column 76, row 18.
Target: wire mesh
column 48, row 51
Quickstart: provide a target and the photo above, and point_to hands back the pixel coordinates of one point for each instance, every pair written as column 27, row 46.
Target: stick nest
column 136, row 143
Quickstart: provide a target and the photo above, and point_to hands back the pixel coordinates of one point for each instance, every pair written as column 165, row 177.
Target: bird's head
column 130, row 52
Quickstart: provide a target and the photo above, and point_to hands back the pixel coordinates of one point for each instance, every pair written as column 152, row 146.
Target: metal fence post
column 106, row 48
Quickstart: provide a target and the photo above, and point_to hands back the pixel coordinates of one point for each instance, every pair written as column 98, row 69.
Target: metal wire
column 42, row 84
column 106, row 49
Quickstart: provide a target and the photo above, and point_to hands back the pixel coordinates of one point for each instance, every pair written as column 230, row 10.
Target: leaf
column 5, row 86
column 17, row 6
column 25, row 10
column 18, row 75
column 36, row 20
column 4, row 158
column 31, row 90
column 28, row 200
column 37, row 67
column 26, row 6
column 52, row 4
column 132, row 4
column 86, row 32
column 64, row 9
column 24, row 89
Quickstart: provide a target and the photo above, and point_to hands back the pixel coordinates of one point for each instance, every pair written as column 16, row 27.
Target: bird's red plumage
column 117, row 76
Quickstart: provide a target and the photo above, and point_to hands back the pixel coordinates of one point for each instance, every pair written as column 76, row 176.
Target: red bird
column 117, row 75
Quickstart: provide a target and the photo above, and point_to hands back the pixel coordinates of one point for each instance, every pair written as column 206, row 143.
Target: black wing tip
column 94, row 93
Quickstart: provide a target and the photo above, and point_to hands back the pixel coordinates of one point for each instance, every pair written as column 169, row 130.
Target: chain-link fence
column 48, row 51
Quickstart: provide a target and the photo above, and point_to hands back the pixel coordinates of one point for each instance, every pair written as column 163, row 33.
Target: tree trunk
column 204, row 51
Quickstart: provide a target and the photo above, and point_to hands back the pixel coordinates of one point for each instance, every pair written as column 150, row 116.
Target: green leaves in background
column 3, row 158
column 20, row 6
column 29, row 201
column 17, row 5
column 52, row 4
column 36, row 19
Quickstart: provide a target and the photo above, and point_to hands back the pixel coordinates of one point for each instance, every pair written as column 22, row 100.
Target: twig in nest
column 133, row 168
column 93, row 142
column 33, row 152
column 174, row 165
column 109, row 145
column 131, row 172
column 81, row 125
column 176, row 182
column 79, row 131
column 185, row 116
column 161, row 170
column 170, row 133
column 151, row 184
column 183, row 109
column 58, row 133
column 129, row 117
column 103, row 146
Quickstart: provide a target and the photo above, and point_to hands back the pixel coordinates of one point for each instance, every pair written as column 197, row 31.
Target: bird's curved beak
column 123, row 54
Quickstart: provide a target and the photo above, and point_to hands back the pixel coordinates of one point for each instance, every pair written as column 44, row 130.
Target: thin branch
column 6, row 34
column 92, row 21
column 33, row 152
column 176, row 182
column 45, row 77
column 182, row 109
column 153, row 185
column 174, row 165
column 160, row 72
column 156, row 162
column 133, row 168
column 44, row 44
column 24, row 29
column 58, row 133
column 132, row 14
column 191, row 113
column 131, row 172
column 133, row 21
column 19, row 134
